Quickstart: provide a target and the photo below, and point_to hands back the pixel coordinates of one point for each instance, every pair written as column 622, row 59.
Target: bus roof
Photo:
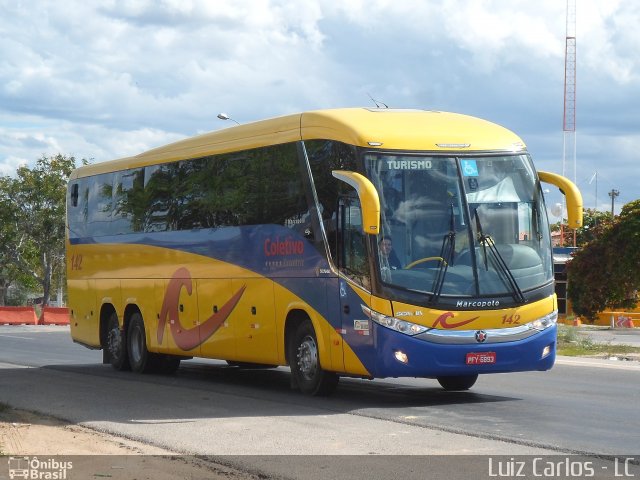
column 387, row 129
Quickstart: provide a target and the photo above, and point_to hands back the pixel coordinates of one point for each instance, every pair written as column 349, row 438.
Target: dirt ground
column 96, row 454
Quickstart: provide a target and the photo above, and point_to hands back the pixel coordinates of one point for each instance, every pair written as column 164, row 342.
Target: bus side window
column 128, row 202
column 159, row 183
column 77, row 208
column 324, row 156
column 100, row 204
column 352, row 242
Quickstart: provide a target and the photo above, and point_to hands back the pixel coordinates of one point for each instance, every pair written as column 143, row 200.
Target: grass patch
column 573, row 344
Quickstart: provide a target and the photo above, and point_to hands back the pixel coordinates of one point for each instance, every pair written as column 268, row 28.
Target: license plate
column 485, row 358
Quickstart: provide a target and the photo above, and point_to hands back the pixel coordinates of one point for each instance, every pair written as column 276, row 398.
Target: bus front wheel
column 115, row 344
column 456, row 384
column 304, row 360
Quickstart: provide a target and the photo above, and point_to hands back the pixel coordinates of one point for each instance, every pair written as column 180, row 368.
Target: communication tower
column 569, row 118
column 569, row 123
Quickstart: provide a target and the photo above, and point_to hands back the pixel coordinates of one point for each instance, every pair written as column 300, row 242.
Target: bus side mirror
column 571, row 193
column 369, row 200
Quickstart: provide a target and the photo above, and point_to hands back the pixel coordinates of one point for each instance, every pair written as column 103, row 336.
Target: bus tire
column 459, row 383
column 304, row 360
column 140, row 359
column 116, row 344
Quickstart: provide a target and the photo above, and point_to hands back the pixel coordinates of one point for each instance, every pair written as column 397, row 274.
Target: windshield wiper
column 500, row 265
column 447, row 253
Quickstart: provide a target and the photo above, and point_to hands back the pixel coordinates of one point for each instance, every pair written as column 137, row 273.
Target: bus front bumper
column 400, row 355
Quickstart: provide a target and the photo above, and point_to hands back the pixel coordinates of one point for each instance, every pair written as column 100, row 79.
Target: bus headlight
column 393, row 323
column 545, row 322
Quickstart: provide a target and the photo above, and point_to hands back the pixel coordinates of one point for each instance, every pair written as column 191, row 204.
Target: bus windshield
column 461, row 226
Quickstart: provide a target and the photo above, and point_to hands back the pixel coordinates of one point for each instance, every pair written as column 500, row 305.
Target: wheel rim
column 308, row 357
column 114, row 341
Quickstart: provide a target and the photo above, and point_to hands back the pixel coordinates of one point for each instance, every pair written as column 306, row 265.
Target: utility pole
column 613, row 194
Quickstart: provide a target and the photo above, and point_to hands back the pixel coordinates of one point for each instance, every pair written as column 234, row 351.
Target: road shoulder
column 95, row 454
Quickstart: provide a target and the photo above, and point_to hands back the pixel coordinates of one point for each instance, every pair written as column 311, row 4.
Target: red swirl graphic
column 188, row 339
column 442, row 320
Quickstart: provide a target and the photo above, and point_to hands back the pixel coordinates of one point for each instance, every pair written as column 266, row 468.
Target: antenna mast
column 569, row 118
column 569, row 124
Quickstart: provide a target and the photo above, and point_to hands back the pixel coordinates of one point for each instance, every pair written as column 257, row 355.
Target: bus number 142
column 511, row 319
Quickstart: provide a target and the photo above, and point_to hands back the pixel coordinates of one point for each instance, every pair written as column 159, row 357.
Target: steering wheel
column 425, row 259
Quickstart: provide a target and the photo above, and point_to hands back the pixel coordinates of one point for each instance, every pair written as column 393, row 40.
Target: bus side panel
column 212, row 296
column 108, row 292
column 188, row 320
column 177, row 316
column 356, row 329
column 352, row 364
column 141, row 294
column 254, row 321
column 159, row 289
column 85, row 317
column 318, row 298
column 339, row 348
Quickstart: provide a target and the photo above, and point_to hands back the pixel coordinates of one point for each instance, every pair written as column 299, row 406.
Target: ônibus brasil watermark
column 34, row 468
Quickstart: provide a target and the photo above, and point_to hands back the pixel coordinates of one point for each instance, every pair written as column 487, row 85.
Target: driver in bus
column 388, row 257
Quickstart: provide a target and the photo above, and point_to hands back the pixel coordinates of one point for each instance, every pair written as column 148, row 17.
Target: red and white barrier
column 623, row 322
column 18, row 316
column 54, row 316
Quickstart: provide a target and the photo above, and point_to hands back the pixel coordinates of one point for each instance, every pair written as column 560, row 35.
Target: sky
column 106, row 79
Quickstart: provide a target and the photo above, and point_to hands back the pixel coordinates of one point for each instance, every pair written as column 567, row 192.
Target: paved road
column 211, row 409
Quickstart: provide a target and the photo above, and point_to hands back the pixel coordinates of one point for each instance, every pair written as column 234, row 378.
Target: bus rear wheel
column 115, row 344
column 459, row 383
column 140, row 359
column 304, row 359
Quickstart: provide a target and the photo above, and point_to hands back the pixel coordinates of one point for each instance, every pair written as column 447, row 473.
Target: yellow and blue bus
column 348, row 242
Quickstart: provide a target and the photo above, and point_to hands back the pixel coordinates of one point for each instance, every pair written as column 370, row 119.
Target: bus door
column 355, row 283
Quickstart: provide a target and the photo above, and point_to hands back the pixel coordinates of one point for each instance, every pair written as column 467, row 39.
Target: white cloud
column 10, row 165
column 611, row 41
column 104, row 80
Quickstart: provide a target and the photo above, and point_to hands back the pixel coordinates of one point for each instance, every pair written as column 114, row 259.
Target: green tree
column 32, row 222
column 10, row 240
column 593, row 223
column 605, row 272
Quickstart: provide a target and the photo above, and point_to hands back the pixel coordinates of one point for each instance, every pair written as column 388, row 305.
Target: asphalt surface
column 580, row 406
